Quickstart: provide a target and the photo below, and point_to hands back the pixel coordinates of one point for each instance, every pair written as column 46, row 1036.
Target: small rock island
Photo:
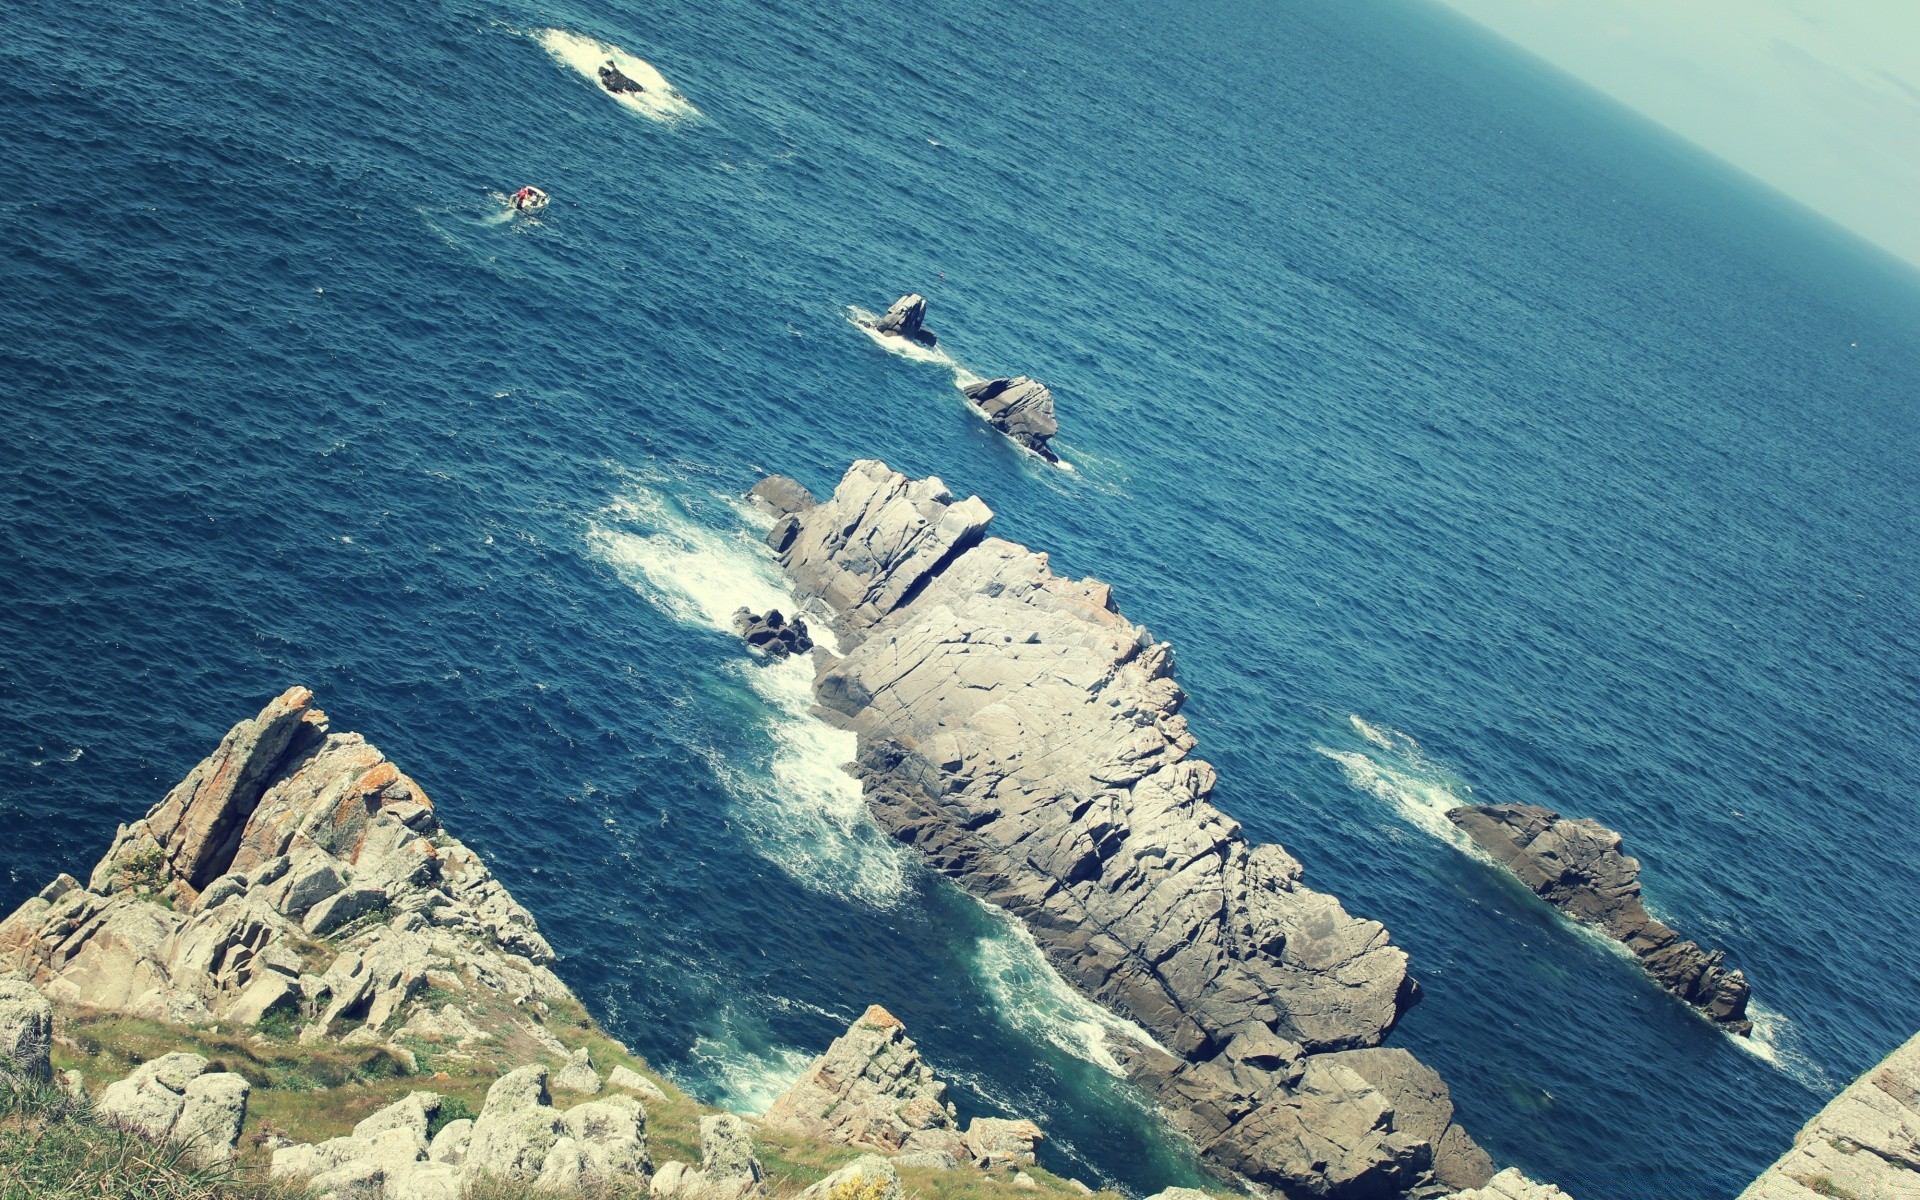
column 907, row 319
column 1021, row 408
column 1578, row 867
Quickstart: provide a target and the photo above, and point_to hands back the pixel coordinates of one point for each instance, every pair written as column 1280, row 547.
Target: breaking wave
column 661, row 101
column 1036, row 1001
column 1397, row 771
column 798, row 805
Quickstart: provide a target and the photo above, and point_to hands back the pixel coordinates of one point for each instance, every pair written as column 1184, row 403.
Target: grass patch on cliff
column 52, row 1148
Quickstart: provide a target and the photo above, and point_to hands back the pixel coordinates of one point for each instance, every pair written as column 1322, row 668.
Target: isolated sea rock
column 1019, row 407
column 1026, row 738
column 773, row 635
column 1578, row 866
column 295, row 870
column 1864, row 1143
column 906, row 319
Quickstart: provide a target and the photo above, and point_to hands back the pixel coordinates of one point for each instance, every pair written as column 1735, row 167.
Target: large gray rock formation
column 1864, row 1143
column 1578, row 866
column 1019, row 407
column 294, row 870
column 871, row 1089
column 774, row 635
column 1026, row 738
column 906, row 318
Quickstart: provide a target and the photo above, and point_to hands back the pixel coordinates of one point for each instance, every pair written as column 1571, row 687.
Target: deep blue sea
column 1470, row 438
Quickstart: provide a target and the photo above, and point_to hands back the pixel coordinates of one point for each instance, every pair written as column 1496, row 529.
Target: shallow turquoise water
column 1405, row 383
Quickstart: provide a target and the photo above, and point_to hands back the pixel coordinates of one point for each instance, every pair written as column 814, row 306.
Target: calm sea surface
column 1470, row 439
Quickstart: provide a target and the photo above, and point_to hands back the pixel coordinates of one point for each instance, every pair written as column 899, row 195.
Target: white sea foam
column 748, row 1078
column 1036, row 1001
column 1396, row 771
column 1776, row 1042
column 800, row 808
column 71, row 756
column 661, row 101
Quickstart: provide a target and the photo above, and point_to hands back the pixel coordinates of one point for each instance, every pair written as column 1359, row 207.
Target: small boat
column 528, row 200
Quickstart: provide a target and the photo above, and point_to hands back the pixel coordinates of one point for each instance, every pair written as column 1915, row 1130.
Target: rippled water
column 1468, row 438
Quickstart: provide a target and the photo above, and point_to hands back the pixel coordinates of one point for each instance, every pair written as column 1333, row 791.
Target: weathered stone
column 1019, row 407
column 1864, row 1143
column 150, row 1099
column 578, row 1075
column 1578, row 866
column 869, row 1089
column 773, row 634
column 1180, row 1193
column 997, row 1143
column 612, row 1137
column 516, row 1127
column 869, row 1177
column 634, row 1081
column 779, row 496
column 905, row 318
column 727, row 1160
column 1510, row 1184
column 1026, row 738
column 210, row 1119
column 450, row 1144
column 26, row 1030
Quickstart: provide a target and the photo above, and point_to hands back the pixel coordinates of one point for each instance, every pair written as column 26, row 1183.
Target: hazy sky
column 1819, row 98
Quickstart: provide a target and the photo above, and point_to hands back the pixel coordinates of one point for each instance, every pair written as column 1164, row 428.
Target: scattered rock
column 175, row 1099
column 869, row 1177
column 1864, row 1143
column 1025, row 1181
column 778, row 496
column 773, row 635
column 1019, row 407
column 1510, row 1184
column 578, row 1075
column 1578, row 866
column 26, row 1030
column 997, row 1143
column 1026, row 738
column 634, row 1081
column 727, row 1159
column 906, row 319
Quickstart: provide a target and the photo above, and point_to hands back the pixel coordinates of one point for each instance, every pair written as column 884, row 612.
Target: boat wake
column 798, row 805
column 660, row 101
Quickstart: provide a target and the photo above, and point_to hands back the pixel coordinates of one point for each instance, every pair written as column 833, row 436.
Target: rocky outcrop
column 519, row 1137
column 866, row 1178
column 772, row 635
column 26, row 1031
column 294, row 871
column 1510, row 1184
column 1026, row 738
column 1864, row 1143
column 729, row 1168
column 871, row 1089
column 1019, row 407
column 175, row 1098
column 906, row 319
column 1578, row 867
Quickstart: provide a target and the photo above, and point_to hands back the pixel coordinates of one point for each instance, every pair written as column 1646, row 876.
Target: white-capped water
column 1036, row 1001
column 1396, row 771
column 799, row 806
column 661, row 101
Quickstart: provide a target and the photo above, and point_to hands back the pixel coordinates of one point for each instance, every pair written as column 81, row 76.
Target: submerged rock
column 1578, row 866
column 773, row 635
column 1019, row 407
column 905, row 319
column 1026, row 738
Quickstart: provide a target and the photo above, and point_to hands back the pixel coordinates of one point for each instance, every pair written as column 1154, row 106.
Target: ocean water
column 1471, row 440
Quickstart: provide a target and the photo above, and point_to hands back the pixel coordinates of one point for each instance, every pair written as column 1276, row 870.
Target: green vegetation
column 53, row 1149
